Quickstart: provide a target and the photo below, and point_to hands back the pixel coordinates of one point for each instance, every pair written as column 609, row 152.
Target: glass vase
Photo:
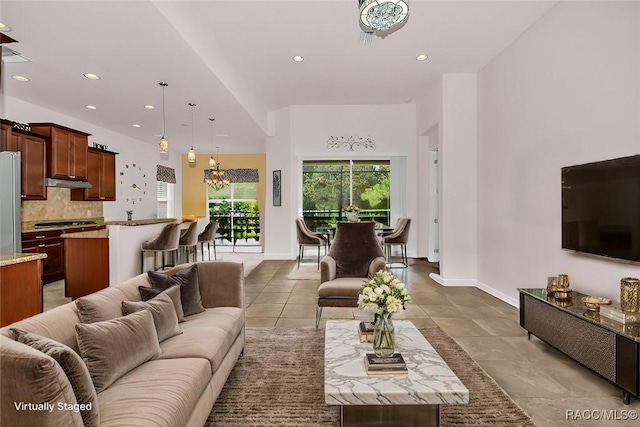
column 384, row 339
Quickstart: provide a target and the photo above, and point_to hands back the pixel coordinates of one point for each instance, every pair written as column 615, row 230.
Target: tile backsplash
column 59, row 206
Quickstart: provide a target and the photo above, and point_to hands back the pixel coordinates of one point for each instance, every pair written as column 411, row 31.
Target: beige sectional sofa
column 177, row 387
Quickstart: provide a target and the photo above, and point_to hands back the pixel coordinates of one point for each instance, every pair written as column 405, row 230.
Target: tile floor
column 544, row 382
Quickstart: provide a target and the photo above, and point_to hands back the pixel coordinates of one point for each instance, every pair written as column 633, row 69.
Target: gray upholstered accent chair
column 398, row 237
column 355, row 256
column 166, row 242
column 208, row 236
column 189, row 241
column 307, row 237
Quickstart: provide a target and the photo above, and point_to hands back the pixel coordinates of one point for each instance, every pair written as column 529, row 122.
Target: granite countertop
column 93, row 234
column 10, row 259
column 28, row 226
column 142, row 221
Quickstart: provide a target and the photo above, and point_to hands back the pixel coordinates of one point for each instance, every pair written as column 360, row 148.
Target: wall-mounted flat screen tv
column 601, row 208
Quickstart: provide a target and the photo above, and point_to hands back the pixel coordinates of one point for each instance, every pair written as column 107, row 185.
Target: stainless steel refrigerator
column 10, row 227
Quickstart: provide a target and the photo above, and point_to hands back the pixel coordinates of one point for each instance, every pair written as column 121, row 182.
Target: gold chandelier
column 214, row 176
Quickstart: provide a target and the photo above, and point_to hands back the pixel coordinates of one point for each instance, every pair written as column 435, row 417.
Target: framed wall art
column 277, row 188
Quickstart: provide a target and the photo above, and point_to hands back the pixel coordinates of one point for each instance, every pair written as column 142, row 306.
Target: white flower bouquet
column 383, row 293
column 352, row 209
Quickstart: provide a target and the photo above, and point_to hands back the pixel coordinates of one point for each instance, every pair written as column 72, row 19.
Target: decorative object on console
column 336, row 142
column 129, row 215
column 382, row 17
column 163, row 144
column 594, row 303
column 630, row 294
column 614, row 312
column 383, row 294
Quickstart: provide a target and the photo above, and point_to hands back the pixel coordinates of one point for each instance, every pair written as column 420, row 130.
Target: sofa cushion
column 189, row 287
column 73, row 367
column 147, row 293
column 100, row 306
column 164, row 314
column 114, row 347
column 157, row 393
column 32, row 377
column 207, row 335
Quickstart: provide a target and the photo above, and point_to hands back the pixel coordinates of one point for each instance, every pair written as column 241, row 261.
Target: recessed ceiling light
column 421, row 57
column 4, row 28
column 222, row 135
column 91, row 76
column 149, row 107
column 91, row 107
column 135, row 125
column 298, row 58
column 20, row 78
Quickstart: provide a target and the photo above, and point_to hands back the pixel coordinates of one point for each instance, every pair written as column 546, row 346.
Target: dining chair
column 307, row 237
column 398, row 237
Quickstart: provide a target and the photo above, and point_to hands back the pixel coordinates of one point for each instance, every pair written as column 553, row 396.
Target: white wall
column 302, row 132
column 566, row 92
column 130, row 151
column 458, row 166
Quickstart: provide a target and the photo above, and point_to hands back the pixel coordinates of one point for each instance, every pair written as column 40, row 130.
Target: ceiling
column 233, row 60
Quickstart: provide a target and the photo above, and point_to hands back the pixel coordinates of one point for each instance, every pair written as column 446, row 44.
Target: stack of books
column 614, row 312
column 365, row 330
column 393, row 365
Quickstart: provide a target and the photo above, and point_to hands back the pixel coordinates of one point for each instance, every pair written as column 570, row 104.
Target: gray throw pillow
column 189, row 287
column 147, row 293
column 163, row 312
column 99, row 306
column 114, row 347
column 73, row 367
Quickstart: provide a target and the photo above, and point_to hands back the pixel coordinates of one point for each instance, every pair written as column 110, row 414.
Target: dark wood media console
column 609, row 349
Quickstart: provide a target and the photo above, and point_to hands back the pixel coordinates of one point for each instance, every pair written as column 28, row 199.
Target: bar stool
column 167, row 241
column 188, row 241
column 208, row 236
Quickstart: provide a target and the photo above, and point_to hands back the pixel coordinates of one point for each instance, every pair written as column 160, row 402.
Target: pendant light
column 214, row 176
column 212, row 161
column 163, row 144
column 191, row 157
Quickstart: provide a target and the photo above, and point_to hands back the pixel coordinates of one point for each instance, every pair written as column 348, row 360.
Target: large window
column 235, row 207
column 331, row 185
column 164, row 205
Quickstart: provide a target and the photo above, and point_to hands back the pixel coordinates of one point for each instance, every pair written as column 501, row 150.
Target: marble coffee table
column 381, row 400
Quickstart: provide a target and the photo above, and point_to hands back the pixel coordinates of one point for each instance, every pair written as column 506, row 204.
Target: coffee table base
column 390, row 415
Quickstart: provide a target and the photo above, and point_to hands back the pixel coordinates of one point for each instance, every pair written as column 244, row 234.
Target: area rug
column 279, row 382
column 305, row 272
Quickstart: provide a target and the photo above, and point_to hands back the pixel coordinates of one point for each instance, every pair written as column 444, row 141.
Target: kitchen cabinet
column 32, row 148
column 46, row 242
column 20, row 290
column 67, row 151
column 101, row 173
column 86, row 262
column 49, row 242
column 6, row 142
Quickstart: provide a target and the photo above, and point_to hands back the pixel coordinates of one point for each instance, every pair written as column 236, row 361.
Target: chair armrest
column 221, row 283
column 327, row 269
column 376, row 265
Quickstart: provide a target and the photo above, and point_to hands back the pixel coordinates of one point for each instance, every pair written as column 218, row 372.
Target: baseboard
column 476, row 284
column 500, row 295
column 279, row 256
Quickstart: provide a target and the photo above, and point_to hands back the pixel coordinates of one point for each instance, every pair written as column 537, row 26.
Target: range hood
column 66, row 183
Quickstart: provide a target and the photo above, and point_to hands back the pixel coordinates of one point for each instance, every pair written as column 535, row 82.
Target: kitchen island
column 86, row 262
column 126, row 238
column 20, row 286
